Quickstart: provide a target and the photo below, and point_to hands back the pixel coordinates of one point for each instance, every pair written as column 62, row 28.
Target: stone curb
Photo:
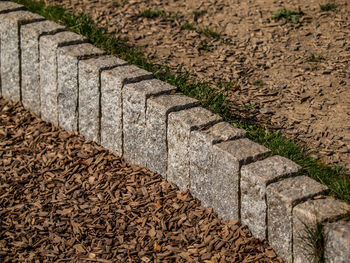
column 72, row 84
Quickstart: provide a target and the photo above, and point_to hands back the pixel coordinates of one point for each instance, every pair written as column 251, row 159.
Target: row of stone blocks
column 59, row 76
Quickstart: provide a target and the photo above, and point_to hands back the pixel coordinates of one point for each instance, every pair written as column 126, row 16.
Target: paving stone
column 135, row 97
column 306, row 216
column 255, row 177
column 180, row 125
column 228, row 157
column 6, row 7
column 67, row 82
column 30, row 62
column 10, row 51
column 90, row 94
column 112, row 83
column 48, row 71
column 201, row 158
column 337, row 248
column 158, row 109
column 281, row 198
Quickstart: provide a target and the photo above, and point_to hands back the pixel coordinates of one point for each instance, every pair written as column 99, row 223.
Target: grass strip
column 216, row 100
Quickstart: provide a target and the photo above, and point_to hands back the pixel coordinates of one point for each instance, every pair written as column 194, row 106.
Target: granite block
column 228, row 157
column 281, row 197
column 90, row 94
column 67, row 82
column 30, row 52
column 48, row 71
column 180, row 125
column 255, row 177
column 158, row 109
column 306, row 216
column 112, row 83
column 6, row 7
column 10, row 24
column 201, row 158
column 135, row 97
column 337, row 248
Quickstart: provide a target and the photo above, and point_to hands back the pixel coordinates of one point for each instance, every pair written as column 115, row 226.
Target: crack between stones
column 38, row 39
column 21, row 8
column 125, row 82
column 19, row 25
column 100, row 97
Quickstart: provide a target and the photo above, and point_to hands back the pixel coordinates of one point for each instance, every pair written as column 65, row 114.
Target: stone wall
column 65, row 80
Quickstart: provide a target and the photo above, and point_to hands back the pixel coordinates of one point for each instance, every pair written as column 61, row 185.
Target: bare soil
column 63, row 199
column 293, row 77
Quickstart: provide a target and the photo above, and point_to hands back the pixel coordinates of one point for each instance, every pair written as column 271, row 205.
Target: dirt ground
column 292, row 76
column 66, row 200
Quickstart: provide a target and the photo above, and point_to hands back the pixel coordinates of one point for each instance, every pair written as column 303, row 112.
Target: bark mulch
column 63, row 199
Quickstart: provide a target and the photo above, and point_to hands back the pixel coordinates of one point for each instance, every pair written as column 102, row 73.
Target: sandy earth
column 293, row 77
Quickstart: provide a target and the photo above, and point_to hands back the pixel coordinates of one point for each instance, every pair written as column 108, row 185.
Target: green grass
column 213, row 99
column 249, row 106
column 205, row 46
column 328, row 7
column 187, row 26
column 259, row 83
column 315, row 58
column 197, row 14
column 119, row 3
column 153, row 13
column 208, row 32
column 288, row 15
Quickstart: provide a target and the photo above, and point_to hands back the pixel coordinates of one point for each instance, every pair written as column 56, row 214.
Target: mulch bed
column 63, row 199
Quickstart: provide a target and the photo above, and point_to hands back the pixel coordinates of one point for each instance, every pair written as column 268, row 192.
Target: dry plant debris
column 63, row 199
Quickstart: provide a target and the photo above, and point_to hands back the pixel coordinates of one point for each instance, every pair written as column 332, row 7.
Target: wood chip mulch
column 63, row 199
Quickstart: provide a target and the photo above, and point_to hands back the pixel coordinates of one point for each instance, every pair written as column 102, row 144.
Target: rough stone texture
column 90, row 94
column 10, row 51
column 48, row 71
column 228, row 157
column 135, row 97
column 281, row 198
column 6, row 7
column 201, row 158
column 337, row 249
column 67, row 82
column 157, row 112
column 306, row 216
column 112, row 83
column 30, row 34
column 180, row 125
column 255, row 177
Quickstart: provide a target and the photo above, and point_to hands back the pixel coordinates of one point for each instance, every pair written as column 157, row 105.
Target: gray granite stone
column 48, row 71
column 10, row 51
column 255, row 177
column 30, row 34
column 180, row 125
column 90, row 94
column 281, row 198
column 67, row 82
column 228, row 157
column 6, row 7
column 158, row 109
column 337, row 248
column 306, row 216
column 201, row 158
column 112, row 83
column 135, row 97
